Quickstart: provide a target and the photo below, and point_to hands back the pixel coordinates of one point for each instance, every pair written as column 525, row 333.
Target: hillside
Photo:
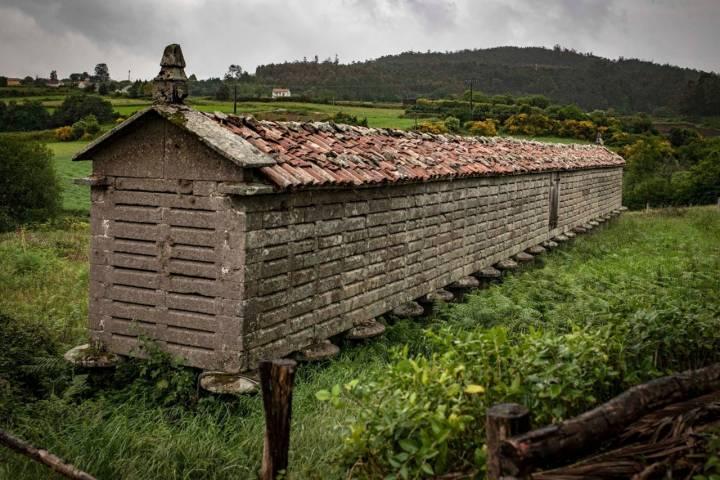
column 564, row 76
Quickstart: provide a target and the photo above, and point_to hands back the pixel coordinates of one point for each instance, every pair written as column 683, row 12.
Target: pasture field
column 655, row 271
column 74, row 197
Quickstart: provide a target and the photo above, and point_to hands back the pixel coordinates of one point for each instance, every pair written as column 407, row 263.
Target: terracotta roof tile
column 327, row 154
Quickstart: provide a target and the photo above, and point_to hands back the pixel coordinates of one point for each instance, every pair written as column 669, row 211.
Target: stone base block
column 465, row 283
column 593, row 223
column 488, row 273
column 523, row 257
column 87, row 356
column 549, row 245
column 536, row 250
column 365, row 330
column 439, row 295
column 318, row 352
column 506, row 265
column 570, row 235
column 580, row 229
column 409, row 310
column 229, row 383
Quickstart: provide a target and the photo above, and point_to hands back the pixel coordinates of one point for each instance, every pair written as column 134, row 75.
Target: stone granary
column 229, row 240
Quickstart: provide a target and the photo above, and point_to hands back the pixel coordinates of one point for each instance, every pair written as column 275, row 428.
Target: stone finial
column 170, row 85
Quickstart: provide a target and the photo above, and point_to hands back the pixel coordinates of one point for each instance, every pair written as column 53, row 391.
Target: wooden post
column 502, row 421
column 43, row 456
column 276, row 381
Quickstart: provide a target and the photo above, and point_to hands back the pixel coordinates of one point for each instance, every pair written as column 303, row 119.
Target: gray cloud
column 73, row 35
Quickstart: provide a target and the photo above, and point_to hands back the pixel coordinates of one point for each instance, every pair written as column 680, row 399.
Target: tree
column 233, row 74
column 102, row 72
column 53, row 76
column 75, row 107
column 23, row 117
column 3, row 81
column 222, row 93
column 29, row 186
column 103, row 88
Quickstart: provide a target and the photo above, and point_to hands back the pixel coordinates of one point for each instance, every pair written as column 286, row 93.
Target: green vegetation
column 29, row 187
column 562, row 75
column 74, row 197
column 631, row 302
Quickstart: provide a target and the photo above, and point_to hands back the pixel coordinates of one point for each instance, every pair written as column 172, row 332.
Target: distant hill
column 564, row 76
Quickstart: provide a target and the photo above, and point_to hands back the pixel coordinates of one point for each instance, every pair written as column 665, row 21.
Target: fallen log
column 560, row 443
column 43, row 456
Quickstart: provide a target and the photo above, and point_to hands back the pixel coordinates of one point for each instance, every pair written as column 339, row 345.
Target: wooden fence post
column 276, row 382
column 502, row 421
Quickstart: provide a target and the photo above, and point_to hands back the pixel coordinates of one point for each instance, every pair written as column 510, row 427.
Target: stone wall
column 166, row 253
column 318, row 262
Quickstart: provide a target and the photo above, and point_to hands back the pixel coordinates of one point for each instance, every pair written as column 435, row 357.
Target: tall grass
column 653, row 267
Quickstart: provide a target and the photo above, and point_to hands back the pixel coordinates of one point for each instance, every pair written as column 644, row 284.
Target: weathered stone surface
column 88, row 357
column 465, row 283
column 409, row 310
column 228, row 383
column 536, row 250
column 549, row 244
column 570, row 234
column 365, row 330
column 623, row 209
column 488, row 273
column 439, row 295
column 170, row 85
column 317, row 352
column 523, row 257
column 580, row 229
column 506, row 264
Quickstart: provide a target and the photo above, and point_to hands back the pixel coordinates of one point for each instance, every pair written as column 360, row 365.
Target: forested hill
column 564, row 76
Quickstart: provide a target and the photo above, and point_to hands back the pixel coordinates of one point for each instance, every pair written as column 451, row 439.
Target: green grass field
column 652, row 265
column 74, row 197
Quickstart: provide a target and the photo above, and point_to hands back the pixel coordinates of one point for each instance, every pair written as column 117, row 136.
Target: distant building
column 280, row 92
column 54, row 83
column 14, row 82
column 85, row 84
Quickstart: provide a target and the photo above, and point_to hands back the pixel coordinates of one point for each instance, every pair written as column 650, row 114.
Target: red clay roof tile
column 327, row 154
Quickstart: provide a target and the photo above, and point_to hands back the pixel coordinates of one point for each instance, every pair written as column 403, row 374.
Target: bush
column 29, row 187
column 64, row 134
column 23, row 117
column 484, row 128
column 78, row 106
column 452, row 124
column 347, row 119
column 432, row 127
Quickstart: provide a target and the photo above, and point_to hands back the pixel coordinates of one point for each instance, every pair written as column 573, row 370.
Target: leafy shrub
column 78, row 106
column 432, row 127
column 30, row 366
column 64, row 134
column 452, row 124
column 23, row 117
column 485, row 128
column 29, row 187
column 347, row 119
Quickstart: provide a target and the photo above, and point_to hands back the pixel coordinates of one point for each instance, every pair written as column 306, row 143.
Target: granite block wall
column 318, row 262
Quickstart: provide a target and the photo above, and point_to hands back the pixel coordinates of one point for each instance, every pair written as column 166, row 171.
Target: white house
column 280, row 92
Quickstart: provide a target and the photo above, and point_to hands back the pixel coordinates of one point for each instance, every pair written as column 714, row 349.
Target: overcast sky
column 74, row 35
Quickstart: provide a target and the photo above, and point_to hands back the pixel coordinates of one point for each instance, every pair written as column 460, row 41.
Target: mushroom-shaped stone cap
column 173, row 56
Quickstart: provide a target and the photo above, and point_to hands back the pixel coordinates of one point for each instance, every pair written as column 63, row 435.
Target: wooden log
column 43, row 456
column 546, row 447
column 276, row 382
column 502, row 421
